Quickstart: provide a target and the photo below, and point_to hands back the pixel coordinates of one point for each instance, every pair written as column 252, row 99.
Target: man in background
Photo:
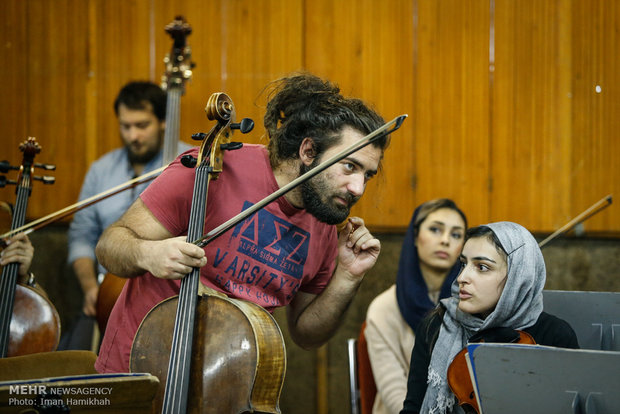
column 140, row 108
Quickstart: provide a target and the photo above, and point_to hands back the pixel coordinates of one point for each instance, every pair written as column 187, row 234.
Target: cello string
column 177, row 384
column 11, row 270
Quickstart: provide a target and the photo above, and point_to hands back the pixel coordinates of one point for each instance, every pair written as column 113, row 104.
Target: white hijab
column 519, row 307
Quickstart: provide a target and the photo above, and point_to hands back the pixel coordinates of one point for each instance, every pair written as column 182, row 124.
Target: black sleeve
column 425, row 337
column 552, row 331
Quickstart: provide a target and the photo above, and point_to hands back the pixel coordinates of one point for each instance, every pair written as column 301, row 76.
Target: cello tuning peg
column 231, row 146
column 48, row 167
column 199, row 136
column 189, row 161
column 4, row 181
column 6, row 167
column 46, row 179
column 245, row 126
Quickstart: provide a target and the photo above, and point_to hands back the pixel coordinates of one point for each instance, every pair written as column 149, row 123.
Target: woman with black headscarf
column 426, row 270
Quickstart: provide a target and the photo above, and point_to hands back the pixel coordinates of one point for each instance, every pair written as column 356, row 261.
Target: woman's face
column 482, row 277
column 440, row 239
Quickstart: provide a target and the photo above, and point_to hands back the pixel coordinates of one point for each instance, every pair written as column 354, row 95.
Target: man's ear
column 307, row 152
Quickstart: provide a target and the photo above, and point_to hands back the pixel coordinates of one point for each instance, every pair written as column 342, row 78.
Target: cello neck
column 179, row 366
column 220, row 108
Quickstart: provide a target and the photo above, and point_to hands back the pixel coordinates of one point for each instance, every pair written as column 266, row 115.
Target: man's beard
column 142, row 158
column 327, row 212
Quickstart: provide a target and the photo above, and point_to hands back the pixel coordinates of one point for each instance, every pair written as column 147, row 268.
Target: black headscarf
column 411, row 289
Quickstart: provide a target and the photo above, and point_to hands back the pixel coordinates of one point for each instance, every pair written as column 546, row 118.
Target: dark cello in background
column 29, row 322
column 213, row 353
column 178, row 70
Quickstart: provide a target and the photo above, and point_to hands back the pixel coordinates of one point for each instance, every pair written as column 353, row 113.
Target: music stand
column 594, row 316
column 101, row 393
column 532, row 378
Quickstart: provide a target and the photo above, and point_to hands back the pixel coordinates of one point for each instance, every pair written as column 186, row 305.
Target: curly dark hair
column 303, row 105
column 135, row 95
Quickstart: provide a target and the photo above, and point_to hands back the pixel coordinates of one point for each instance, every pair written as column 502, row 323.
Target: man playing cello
column 288, row 254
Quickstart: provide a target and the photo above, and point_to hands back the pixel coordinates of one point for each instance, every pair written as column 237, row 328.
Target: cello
column 29, row 322
column 178, row 70
column 182, row 331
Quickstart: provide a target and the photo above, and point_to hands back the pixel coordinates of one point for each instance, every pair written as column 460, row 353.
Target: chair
column 361, row 381
column 47, row 364
column 595, row 316
column 81, row 394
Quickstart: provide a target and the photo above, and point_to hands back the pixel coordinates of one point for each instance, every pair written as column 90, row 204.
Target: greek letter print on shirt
column 269, row 258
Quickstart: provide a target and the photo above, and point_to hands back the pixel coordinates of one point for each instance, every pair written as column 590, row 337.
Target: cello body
column 35, row 323
column 238, row 355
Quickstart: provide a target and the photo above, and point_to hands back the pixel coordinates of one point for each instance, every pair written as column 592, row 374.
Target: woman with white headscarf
column 498, row 291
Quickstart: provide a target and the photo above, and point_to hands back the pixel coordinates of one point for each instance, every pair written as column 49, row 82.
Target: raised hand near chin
column 358, row 249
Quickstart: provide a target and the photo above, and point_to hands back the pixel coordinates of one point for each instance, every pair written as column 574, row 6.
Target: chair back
column 361, row 380
column 367, row 386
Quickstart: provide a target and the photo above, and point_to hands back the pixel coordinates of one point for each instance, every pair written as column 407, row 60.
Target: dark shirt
column 548, row 330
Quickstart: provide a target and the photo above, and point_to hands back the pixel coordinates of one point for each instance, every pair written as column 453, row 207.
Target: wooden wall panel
column 531, row 143
column 235, row 52
column 262, row 42
column 509, row 125
column 14, row 68
column 46, row 95
column 595, row 164
column 367, row 48
column 452, row 105
column 121, row 33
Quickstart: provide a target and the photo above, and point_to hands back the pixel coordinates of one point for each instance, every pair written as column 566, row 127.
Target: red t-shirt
column 264, row 259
